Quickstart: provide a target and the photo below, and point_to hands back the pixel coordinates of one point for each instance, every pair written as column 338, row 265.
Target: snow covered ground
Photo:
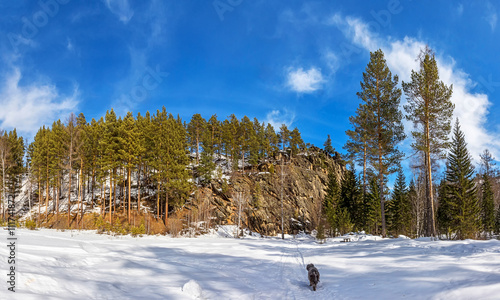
column 83, row 265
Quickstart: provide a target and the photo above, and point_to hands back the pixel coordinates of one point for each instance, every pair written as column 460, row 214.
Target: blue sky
column 292, row 62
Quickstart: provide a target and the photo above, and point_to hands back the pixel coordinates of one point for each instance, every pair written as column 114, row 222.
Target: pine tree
column 58, row 136
column 256, row 143
column 430, row 109
column 246, row 135
column 195, row 130
column 461, row 188
column 357, row 145
column 487, row 164
column 110, row 144
column 296, row 142
column 284, row 137
column 271, row 148
column 16, row 169
column 4, row 160
column 381, row 98
column 130, row 151
column 328, row 146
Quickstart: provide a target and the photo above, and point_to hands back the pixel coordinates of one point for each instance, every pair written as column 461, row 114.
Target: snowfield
column 84, row 265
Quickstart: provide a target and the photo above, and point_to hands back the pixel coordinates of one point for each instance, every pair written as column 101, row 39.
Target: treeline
column 464, row 204
column 94, row 163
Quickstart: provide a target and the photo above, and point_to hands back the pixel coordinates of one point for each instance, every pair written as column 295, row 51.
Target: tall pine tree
column 381, row 98
column 430, row 109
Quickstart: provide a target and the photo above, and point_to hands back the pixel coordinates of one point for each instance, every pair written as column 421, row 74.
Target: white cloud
column 121, row 8
column 305, row 81
column 279, row 117
column 401, row 55
column 26, row 108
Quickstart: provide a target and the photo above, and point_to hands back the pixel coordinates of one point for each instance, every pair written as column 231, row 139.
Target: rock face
column 304, row 179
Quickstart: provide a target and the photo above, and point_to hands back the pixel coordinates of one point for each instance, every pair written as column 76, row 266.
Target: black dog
column 313, row 275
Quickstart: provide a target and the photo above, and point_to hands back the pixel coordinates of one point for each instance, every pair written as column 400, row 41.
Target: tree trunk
column 92, row 195
column 129, row 198
column 103, row 198
column 158, row 201
column 110, row 195
column 58, row 195
column 431, row 225
column 139, row 187
column 39, row 197
column 69, row 186
column 3, row 187
column 47, row 194
column 364, row 170
column 80, row 192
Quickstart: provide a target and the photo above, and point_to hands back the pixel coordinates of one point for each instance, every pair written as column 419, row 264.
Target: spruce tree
column 461, row 188
column 401, row 209
column 331, row 201
column 372, row 207
column 487, row 206
column 445, row 212
column 351, row 198
column 430, row 109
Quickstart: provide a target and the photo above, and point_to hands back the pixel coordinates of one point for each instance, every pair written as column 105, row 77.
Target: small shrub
column 138, row 231
column 320, row 234
column 174, row 226
column 30, row 224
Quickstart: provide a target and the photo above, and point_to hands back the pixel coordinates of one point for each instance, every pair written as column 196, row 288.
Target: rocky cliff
column 301, row 181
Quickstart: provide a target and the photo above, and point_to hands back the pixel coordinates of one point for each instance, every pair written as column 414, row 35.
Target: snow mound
column 193, row 289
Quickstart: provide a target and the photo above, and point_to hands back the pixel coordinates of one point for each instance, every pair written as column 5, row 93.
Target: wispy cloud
column 279, row 117
column 460, row 9
column 470, row 107
column 356, row 29
column 302, row 81
column 492, row 20
column 26, row 108
column 121, row 8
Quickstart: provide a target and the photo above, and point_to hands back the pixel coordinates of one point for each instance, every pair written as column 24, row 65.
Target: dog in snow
column 313, row 275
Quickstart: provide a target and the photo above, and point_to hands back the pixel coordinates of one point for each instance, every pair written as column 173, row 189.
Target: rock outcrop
column 301, row 182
